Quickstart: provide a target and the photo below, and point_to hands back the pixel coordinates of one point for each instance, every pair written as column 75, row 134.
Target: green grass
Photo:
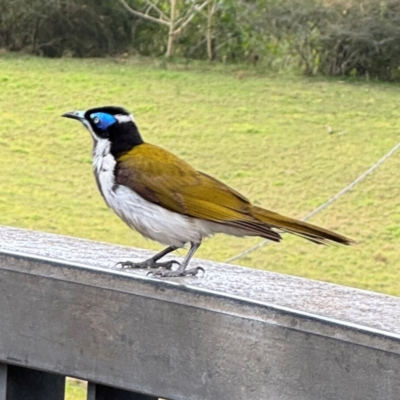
column 75, row 389
column 265, row 135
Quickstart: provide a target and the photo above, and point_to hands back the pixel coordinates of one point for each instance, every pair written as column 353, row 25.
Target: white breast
column 151, row 220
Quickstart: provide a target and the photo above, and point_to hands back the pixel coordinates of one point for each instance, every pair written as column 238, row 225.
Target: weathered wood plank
column 345, row 304
column 237, row 333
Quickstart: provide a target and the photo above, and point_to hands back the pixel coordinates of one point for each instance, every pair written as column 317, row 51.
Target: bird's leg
column 151, row 262
column 181, row 271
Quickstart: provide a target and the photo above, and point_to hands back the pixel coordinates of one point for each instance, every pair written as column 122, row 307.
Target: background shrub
column 336, row 37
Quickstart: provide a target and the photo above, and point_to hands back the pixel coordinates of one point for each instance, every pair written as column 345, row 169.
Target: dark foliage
column 333, row 37
column 366, row 41
column 53, row 28
column 341, row 38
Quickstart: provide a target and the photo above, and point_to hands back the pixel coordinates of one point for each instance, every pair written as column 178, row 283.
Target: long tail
column 299, row 228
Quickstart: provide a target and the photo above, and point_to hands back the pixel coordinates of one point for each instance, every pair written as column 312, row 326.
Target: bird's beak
column 79, row 115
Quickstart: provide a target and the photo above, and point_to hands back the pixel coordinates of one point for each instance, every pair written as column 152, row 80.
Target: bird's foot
column 150, row 263
column 168, row 273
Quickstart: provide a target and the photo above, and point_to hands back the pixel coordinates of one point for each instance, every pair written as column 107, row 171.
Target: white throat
column 103, row 166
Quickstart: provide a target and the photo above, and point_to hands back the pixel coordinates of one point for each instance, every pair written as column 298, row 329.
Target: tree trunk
column 171, row 33
column 209, row 30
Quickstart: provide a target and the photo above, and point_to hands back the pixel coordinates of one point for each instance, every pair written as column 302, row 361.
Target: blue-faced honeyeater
column 167, row 200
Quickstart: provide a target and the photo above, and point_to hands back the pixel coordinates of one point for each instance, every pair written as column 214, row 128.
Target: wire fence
column 327, row 203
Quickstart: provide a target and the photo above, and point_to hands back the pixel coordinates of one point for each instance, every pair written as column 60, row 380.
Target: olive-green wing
column 164, row 179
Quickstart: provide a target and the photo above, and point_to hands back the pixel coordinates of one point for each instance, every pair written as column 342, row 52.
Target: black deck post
column 19, row 383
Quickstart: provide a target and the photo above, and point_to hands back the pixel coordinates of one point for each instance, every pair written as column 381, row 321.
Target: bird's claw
column 145, row 264
column 168, row 273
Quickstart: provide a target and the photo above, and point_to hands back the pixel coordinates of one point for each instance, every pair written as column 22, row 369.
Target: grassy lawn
column 265, row 135
column 75, row 389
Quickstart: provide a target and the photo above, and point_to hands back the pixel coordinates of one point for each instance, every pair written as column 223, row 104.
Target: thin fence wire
column 327, row 203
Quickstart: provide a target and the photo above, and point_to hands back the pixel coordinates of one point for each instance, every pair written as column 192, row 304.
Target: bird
column 167, row 200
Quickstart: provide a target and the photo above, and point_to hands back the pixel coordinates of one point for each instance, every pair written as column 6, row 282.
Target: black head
column 111, row 123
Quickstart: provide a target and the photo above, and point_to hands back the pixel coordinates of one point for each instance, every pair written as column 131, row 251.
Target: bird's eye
column 96, row 120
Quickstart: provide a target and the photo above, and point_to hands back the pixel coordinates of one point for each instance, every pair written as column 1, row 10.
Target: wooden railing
column 235, row 333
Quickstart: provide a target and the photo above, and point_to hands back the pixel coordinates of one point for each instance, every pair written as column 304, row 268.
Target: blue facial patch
column 102, row 120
